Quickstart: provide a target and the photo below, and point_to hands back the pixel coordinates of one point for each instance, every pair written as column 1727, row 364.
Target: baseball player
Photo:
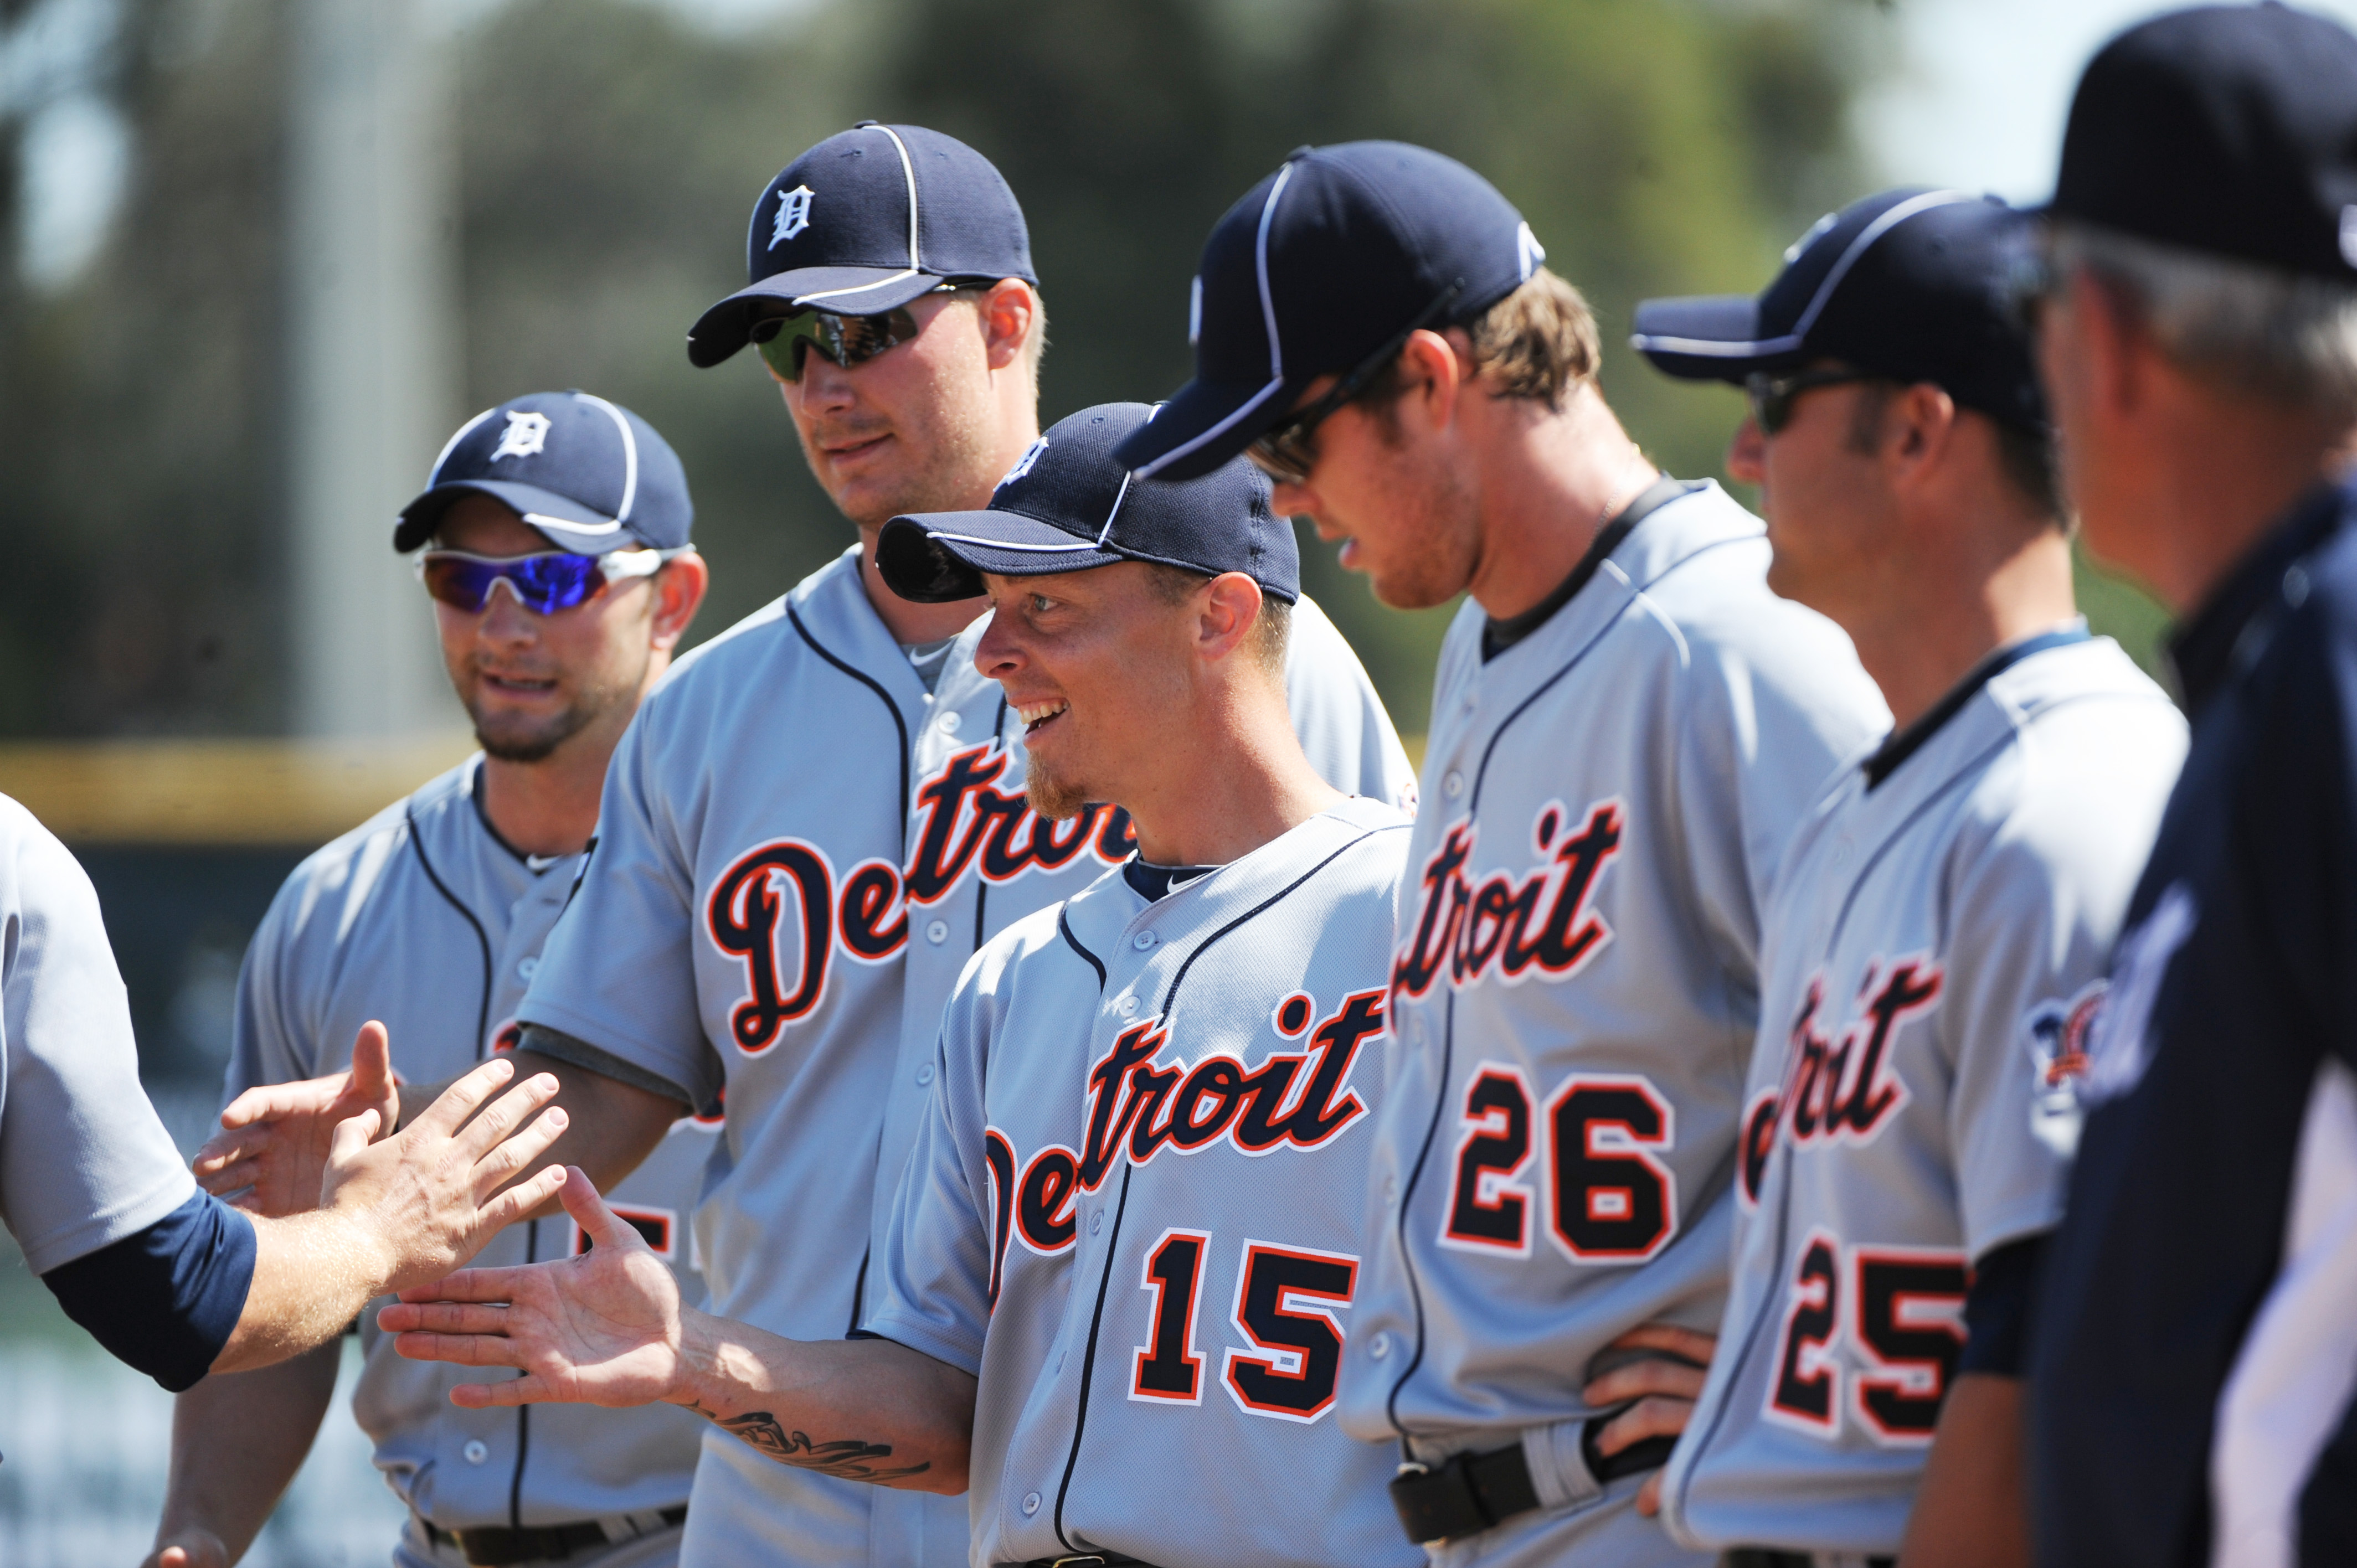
column 1935, row 946
column 168, row 1278
column 822, row 812
column 2194, row 1362
column 1115, row 1290
column 431, row 917
column 1626, row 726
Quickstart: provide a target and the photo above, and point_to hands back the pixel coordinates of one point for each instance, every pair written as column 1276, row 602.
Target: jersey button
column 925, row 1073
column 938, row 932
column 1453, row 785
column 526, row 967
column 950, row 721
column 1031, row 1502
column 475, row 1451
column 1128, row 1004
column 1143, row 940
column 1380, row 1346
column 1097, row 1222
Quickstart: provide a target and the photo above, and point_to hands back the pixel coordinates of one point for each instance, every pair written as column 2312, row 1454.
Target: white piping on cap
column 1705, row 349
column 909, row 174
column 630, row 453
column 1119, row 496
column 1003, row 545
column 1268, row 317
column 434, row 474
column 570, row 526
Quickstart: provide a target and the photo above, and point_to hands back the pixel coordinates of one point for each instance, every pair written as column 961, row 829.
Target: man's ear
column 1431, row 367
column 1229, row 607
column 1010, row 313
column 1920, row 422
column 680, row 589
column 2112, row 338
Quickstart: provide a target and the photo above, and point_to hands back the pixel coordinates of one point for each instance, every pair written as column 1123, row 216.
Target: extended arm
column 209, row 1289
column 608, row 1328
column 237, row 1440
column 1973, row 1510
column 274, row 1139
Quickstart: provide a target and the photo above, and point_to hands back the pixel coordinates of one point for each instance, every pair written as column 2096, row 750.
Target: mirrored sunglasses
column 544, row 584
column 848, row 341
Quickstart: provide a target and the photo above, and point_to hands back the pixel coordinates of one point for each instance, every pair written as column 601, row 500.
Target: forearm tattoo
column 848, row 1458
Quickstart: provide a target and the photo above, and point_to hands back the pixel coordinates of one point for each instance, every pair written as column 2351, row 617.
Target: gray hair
column 2264, row 332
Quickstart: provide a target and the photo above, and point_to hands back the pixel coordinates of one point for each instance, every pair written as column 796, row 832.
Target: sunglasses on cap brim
column 544, row 584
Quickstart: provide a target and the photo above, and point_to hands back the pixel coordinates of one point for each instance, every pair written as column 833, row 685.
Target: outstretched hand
column 275, row 1139
column 602, row 1329
column 1660, row 1392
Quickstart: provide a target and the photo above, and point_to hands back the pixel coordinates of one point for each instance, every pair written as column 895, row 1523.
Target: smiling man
column 1625, row 727
column 430, row 916
column 821, row 814
column 1114, row 1295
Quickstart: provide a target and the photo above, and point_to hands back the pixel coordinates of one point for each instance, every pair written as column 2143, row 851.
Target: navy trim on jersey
column 882, row 695
column 1113, row 1243
column 1154, row 883
column 482, row 939
column 1064, row 925
column 1904, row 744
column 165, row 1300
column 1497, row 636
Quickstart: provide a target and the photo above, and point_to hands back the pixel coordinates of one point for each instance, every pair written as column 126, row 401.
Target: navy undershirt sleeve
column 1996, row 1308
column 166, row 1299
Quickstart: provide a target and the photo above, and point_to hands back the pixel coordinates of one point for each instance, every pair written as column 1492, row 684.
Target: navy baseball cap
column 863, row 223
column 588, row 473
column 1070, row 503
column 2230, row 130
column 1911, row 284
column 1322, row 263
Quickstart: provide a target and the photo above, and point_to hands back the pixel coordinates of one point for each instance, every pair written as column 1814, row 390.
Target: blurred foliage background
column 608, row 154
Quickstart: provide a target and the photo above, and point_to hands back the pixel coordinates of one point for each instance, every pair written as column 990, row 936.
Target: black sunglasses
column 1772, row 397
column 784, row 340
column 1287, row 450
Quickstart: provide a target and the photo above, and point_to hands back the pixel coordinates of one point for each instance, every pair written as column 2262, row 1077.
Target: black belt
column 490, row 1546
column 1770, row 1557
column 1471, row 1492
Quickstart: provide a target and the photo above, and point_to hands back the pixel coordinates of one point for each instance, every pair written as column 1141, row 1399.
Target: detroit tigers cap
column 866, row 221
column 1070, row 503
column 1315, row 269
column 1910, row 283
column 588, row 473
column 2230, row 130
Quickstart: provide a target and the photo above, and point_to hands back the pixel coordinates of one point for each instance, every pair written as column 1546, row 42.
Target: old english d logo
column 794, row 215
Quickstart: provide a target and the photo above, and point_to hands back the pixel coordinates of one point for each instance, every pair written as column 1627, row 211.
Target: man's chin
column 1052, row 797
column 528, row 743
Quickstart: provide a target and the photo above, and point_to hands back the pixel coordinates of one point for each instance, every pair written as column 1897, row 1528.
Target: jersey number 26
column 1608, row 1199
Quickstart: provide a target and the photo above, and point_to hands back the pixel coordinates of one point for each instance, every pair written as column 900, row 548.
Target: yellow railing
column 294, row 792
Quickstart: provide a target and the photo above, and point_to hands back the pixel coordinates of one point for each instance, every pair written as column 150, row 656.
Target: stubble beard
column 513, row 738
column 1051, row 797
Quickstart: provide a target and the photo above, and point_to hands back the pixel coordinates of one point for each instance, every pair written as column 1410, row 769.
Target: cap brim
column 1709, row 337
column 936, row 556
column 724, row 328
column 1207, row 424
column 566, row 523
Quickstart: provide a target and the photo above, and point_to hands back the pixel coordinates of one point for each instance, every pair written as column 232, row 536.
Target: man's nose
column 504, row 617
column 1747, row 454
column 999, row 653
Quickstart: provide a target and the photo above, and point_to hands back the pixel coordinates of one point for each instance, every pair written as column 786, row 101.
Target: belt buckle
column 1078, row 1559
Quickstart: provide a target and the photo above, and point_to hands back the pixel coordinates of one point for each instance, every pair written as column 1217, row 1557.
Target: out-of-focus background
column 259, row 257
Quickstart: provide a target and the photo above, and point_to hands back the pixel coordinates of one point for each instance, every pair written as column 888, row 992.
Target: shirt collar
column 2202, row 651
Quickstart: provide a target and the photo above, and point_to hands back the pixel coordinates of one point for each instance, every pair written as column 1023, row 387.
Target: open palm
column 275, row 1139
column 602, row 1329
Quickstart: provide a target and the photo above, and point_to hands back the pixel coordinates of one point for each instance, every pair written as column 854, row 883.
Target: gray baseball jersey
column 1934, row 952
column 1134, row 1211
column 799, row 847
column 424, row 917
column 1575, row 993
column 84, row 1161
